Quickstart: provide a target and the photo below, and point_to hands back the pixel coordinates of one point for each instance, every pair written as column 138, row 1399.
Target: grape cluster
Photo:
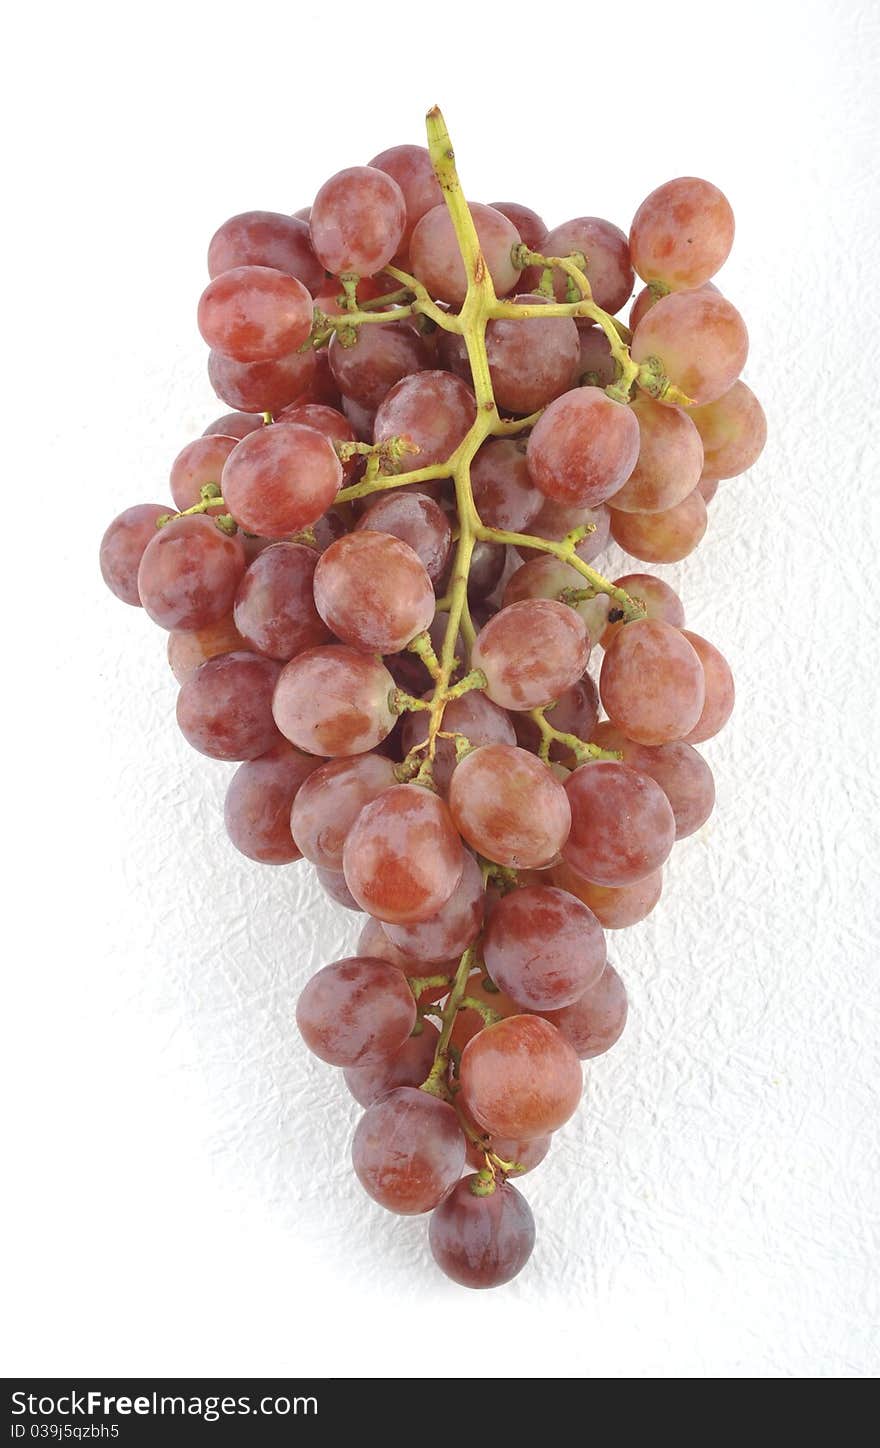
column 378, row 588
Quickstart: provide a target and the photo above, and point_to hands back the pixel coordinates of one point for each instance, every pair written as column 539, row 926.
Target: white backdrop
column 179, row 1197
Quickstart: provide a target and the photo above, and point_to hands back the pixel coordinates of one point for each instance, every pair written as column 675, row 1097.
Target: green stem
column 565, row 550
column 583, row 752
column 436, row 1080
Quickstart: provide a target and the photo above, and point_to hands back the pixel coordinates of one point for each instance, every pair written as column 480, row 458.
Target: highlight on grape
column 377, row 582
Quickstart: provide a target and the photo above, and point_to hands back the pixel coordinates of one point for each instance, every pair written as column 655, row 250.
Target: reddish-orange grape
column 543, row 947
column 274, row 606
column 455, row 926
column 417, row 521
column 509, row 806
column 583, row 447
column 328, row 420
column 665, row 537
column 699, row 341
column 374, row 941
column 189, row 572
column 659, row 599
column 608, row 268
column 334, row 701
column 281, row 479
column 469, row 1021
column 648, row 298
column 255, row 314
column 123, row 546
column 531, row 362
column 408, row 1066
column 261, row 386
column 356, row 1012
column 503, row 491
column 520, row 1078
column 544, row 576
column 614, row 906
column 720, row 690
column 474, row 716
column 266, row 239
column 373, row 591
column 258, row 803
column 225, row 708
column 682, row 774
column 708, row 487
column 482, row 1241
column 652, row 683
column 188, row 649
column 410, row 167
column 433, row 409
column 594, row 1023
column 669, row 463
column 200, row 462
column 408, row 1150
column 357, row 221
column 402, row 857
column 437, row 262
column 530, row 652
column 379, row 358
column 234, row 424
column 733, row 430
column 528, row 223
column 682, row 233
column 622, row 825
column 331, row 800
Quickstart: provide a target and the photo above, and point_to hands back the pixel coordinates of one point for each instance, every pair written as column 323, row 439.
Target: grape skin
column 408, row 1066
column 267, row 239
column 544, row 576
column 328, row 420
column 531, row 362
column 583, row 448
column 543, row 947
column 274, row 607
column 357, row 221
column 652, row 683
column 255, row 314
column 700, row 340
column 474, row 716
column 333, row 884
column 608, row 268
column 555, row 520
column 622, row 825
column 433, row 409
column 531, row 652
column 123, row 546
column 380, row 357
column 258, row 803
column 574, row 712
column 373, row 591
column 234, row 424
column 280, row 480
column 520, row 1078
column 333, row 701
column 482, row 1241
column 408, row 1151
column 189, row 573
column 733, row 430
column 664, row 537
column 508, row 806
column 402, row 857
column 189, row 648
column 504, row 494
column 330, row 801
column 528, row 223
column 373, row 940
column 200, row 462
column 261, row 386
column 719, row 689
column 682, row 233
column 670, row 459
column 225, row 708
column 526, row 1154
column 356, row 1012
column 682, row 774
column 417, row 521
column 615, row 906
column 659, row 599
column 593, row 1024
column 436, row 260
column 455, row 926
column 410, row 167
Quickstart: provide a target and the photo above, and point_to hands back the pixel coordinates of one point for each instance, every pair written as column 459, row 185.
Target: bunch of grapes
column 378, row 588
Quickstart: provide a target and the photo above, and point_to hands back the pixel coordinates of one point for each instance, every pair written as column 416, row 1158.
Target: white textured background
column 179, row 1198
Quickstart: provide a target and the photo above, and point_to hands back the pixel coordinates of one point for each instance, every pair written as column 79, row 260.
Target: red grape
column 608, row 268
column 281, row 479
column 408, row 1150
column 652, row 683
column 474, row 716
column 357, row 221
column 698, row 338
column 402, row 857
column 380, row 356
column 274, row 606
column 123, row 546
column 225, row 708
column 719, row 697
column 410, row 167
column 255, row 314
column 594, row 1022
column 504, row 494
column 682, row 233
column 261, row 386
column 530, row 652
column 433, row 409
column 659, row 599
column 544, row 576
column 334, row 701
column 583, row 447
column 468, row 1021
column 266, row 239
column 189, row 573
column 733, row 430
column 708, row 487
column 333, row 884
column 408, row 1066
column 200, row 462
column 331, row 800
column 665, row 537
column 526, row 1154
column 669, row 463
column 556, row 520
column 682, row 774
column 528, row 223
column 328, row 420
column 596, row 366
column 373, row 940
column 417, row 521
column 575, row 712
column 622, row 826
column 258, row 802
column 531, row 362
column 520, row 1078
column 614, row 906
column 234, row 424
column 437, row 262
column 356, row 1012
column 482, row 1241
column 543, row 947
column 373, row 591
column 454, row 927
column 188, row 649
column 508, row 805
